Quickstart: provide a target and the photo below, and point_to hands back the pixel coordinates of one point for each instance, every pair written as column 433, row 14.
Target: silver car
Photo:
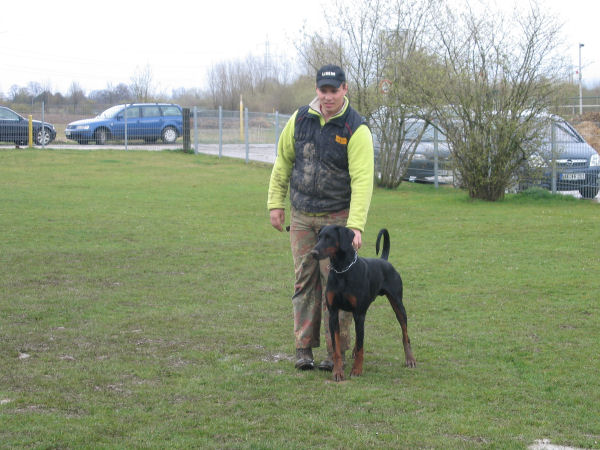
column 567, row 158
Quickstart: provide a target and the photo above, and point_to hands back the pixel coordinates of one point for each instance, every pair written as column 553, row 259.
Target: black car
column 15, row 128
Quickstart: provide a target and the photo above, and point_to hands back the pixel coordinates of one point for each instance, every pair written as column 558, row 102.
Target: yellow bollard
column 30, row 131
column 241, row 118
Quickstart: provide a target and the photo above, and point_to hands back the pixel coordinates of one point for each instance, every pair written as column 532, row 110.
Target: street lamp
column 580, row 97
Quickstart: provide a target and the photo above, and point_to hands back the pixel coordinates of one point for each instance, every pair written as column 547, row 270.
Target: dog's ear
column 350, row 234
column 346, row 239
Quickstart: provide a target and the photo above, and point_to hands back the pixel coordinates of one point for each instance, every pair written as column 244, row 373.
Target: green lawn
column 145, row 302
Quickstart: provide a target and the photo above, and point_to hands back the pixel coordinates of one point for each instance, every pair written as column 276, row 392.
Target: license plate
column 572, row 176
column 67, row 133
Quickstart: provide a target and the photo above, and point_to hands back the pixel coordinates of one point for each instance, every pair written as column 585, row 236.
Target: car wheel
column 169, row 135
column 101, row 136
column 43, row 136
column 589, row 192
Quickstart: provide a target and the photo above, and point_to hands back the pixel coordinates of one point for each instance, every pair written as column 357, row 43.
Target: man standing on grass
column 325, row 157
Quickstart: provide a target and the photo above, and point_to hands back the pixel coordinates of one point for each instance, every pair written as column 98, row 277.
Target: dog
column 352, row 285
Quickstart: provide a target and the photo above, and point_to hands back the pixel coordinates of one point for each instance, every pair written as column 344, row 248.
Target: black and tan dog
column 352, row 285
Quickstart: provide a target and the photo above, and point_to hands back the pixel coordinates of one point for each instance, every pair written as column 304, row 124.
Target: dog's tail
column 385, row 252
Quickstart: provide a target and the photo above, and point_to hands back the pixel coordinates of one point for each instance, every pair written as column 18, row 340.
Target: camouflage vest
column 320, row 179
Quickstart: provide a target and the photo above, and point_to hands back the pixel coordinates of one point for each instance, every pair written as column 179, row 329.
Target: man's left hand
column 357, row 241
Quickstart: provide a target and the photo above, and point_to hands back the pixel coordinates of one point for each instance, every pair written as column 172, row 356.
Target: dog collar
column 347, row 268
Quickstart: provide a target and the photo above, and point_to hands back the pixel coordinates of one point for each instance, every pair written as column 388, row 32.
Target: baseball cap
column 330, row 75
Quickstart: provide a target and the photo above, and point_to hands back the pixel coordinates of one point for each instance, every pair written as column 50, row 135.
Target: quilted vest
column 320, row 179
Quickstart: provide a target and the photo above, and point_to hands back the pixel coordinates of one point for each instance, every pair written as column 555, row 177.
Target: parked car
column 577, row 163
column 147, row 121
column 15, row 128
column 422, row 166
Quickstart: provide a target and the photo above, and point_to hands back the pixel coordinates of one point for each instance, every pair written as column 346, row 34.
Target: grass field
column 145, row 302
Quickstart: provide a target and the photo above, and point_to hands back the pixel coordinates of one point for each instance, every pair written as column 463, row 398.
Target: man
column 325, row 157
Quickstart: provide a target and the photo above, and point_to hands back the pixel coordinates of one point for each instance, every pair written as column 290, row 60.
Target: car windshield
column 110, row 112
column 564, row 134
column 414, row 128
column 7, row 114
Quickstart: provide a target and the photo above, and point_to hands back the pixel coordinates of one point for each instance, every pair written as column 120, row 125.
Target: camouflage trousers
column 311, row 278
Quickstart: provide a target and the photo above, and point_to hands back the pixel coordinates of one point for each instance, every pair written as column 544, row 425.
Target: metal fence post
column 554, row 153
column 43, row 131
column 435, row 157
column 246, row 138
column 195, row 130
column 241, row 117
column 125, row 114
column 220, row 131
column 186, row 130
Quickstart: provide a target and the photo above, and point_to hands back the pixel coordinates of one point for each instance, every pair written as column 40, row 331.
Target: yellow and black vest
column 320, row 179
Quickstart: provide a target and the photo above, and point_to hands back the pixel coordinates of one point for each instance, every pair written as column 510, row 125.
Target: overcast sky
column 60, row 41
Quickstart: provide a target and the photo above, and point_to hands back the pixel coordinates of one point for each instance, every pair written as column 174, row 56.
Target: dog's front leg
column 358, row 353
column 336, row 342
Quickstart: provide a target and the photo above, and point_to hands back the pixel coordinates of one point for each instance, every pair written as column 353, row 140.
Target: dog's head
column 333, row 240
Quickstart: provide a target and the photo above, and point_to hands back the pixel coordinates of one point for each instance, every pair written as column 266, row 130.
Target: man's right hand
column 277, row 218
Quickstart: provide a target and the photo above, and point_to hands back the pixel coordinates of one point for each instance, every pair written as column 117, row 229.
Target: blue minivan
column 147, row 121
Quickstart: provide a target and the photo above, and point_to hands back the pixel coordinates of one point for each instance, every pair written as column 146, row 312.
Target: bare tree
column 112, row 94
column 34, row 88
column 401, row 119
column 379, row 43
column 499, row 75
column 19, row 94
column 258, row 80
column 141, row 84
column 316, row 50
column 227, row 81
column 76, row 95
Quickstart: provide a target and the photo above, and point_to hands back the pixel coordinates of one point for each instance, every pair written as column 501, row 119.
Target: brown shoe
column 327, row 364
column 304, row 359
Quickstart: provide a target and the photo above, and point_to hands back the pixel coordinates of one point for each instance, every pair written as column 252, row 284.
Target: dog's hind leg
column 398, row 307
column 358, row 353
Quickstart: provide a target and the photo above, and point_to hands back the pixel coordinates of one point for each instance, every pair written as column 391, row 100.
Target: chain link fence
column 251, row 135
column 154, row 126
column 566, row 161
column 579, row 106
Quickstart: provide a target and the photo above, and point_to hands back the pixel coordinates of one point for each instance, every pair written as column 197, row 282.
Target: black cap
column 330, row 75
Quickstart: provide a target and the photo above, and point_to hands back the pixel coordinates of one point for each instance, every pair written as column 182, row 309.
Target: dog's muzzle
column 317, row 254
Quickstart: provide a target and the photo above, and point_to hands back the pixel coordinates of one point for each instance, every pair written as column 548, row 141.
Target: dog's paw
column 411, row 363
column 355, row 373
column 338, row 375
column 357, row 367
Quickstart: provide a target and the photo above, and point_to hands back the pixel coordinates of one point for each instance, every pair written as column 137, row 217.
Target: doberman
column 352, row 285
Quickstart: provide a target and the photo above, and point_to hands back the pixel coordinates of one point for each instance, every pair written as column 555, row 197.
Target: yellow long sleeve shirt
column 360, row 168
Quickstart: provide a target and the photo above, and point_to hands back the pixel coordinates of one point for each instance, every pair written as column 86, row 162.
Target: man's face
column 331, row 98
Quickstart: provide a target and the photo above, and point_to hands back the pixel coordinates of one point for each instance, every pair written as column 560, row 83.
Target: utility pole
column 580, row 95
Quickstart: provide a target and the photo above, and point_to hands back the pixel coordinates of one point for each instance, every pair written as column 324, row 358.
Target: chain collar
column 347, row 268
